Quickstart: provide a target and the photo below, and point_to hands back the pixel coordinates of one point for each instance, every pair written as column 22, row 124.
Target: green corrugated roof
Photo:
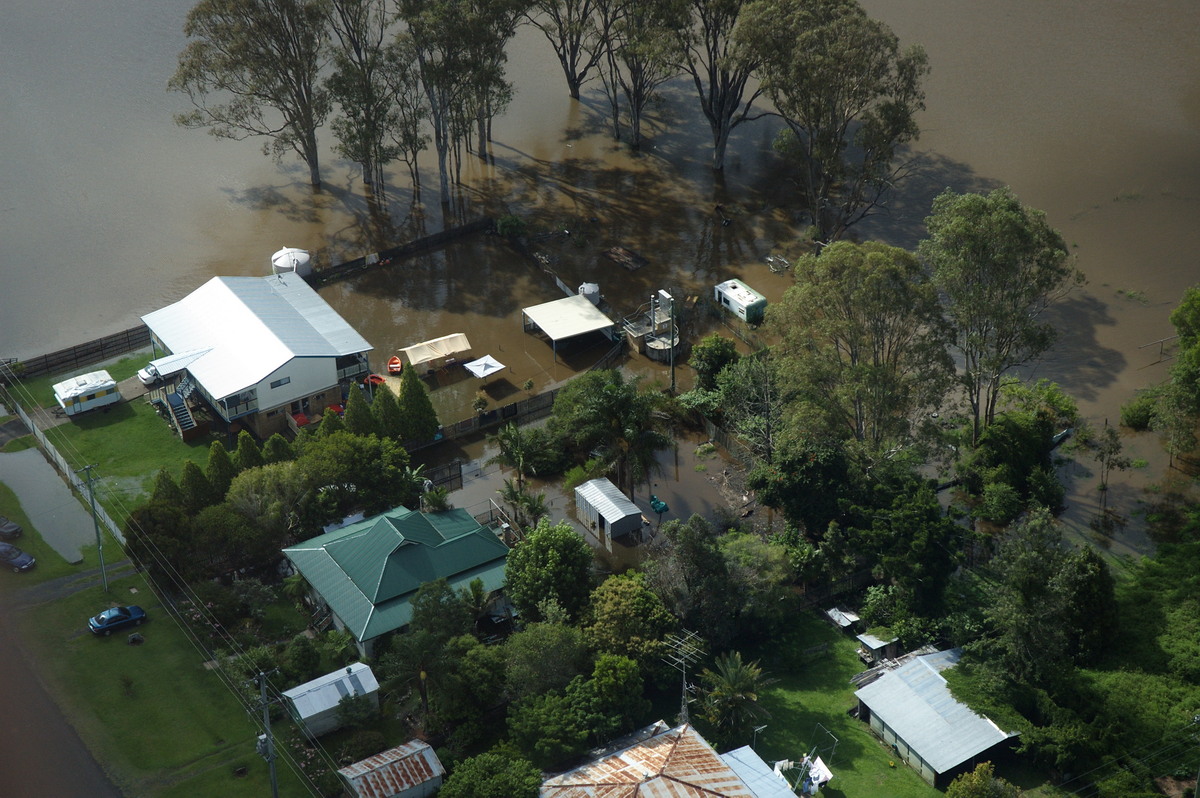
column 368, row 571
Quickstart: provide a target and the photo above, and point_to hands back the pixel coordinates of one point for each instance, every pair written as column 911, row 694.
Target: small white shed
column 314, row 705
column 741, row 300
column 411, row 770
column 606, row 511
column 86, row 392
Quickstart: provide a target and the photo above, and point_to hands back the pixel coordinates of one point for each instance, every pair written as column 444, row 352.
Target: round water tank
column 591, row 291
column 290, row 259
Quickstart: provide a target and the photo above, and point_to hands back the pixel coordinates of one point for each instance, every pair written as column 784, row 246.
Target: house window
column 282, row 382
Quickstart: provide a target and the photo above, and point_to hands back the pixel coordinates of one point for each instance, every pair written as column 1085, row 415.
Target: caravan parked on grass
column 86, row 392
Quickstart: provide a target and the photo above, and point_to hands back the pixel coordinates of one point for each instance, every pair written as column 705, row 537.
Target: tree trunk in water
column 720, row 142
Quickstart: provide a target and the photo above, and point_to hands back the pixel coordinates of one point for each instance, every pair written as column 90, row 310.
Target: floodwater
column 1090, row 112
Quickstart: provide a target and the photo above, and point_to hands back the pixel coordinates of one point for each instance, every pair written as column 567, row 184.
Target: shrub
column 362, row 745
column 1138, row 412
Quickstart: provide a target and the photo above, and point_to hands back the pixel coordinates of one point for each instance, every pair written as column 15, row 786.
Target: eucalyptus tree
column 359, row 85
column 252, row 69
column 406, row 125
column 576, row 30
column 720, row 66
column 863, row 341
column 638, row 58
column 755, row 401
column 998, row 266
column 847, row 94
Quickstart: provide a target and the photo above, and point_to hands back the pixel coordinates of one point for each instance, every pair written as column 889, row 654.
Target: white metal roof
column 756, row 774
column 83, row 384
column 252, row 326
column 608, row 500
column 568, row 317
column 324, row 692
column 913, row 701
column 739, row 291
column 169, row 364
column 445, row 346
column 872, row 642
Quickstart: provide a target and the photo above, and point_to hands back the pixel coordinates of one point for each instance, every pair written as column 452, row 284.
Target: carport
column 566, row 318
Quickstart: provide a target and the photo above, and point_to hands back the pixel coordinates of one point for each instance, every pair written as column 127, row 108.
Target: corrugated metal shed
column 411, row 770
column 678, row 763
column 600, row 499
column 367, row 571
column 252, row 326
column 913, row 701
column 315, row 702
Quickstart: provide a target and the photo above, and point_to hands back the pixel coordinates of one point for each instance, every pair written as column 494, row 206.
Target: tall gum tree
column 264, row 58
column 847, row 94
column 997, row 265
column 863, row 340
column 575, row 30
column 720, row 67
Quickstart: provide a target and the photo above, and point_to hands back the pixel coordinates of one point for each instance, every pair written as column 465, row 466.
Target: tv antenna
column 684, row 650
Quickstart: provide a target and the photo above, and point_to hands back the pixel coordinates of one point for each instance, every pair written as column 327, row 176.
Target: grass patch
column 151, row 713
column 19, row 444
column 129, row 443
column 809, row 706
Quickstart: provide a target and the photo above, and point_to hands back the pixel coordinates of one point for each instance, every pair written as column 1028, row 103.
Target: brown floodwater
column 1089, row 112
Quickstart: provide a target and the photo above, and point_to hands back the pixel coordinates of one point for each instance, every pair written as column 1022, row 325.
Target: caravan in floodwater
column 86, row 392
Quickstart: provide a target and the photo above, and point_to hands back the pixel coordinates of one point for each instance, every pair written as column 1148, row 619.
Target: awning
column 445, row 346
column 485, row 366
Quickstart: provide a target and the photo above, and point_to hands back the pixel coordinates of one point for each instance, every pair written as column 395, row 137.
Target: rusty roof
column 393, row 771
column 678, row 763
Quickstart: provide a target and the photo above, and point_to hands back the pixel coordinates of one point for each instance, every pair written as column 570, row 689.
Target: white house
column 270, row 347
column 314, row 705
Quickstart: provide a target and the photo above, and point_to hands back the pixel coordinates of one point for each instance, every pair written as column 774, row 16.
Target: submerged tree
column 720, row 66
column 998, row 266
column 638, row 57
column 266, row 55
column 847, row 94
column 574, row 29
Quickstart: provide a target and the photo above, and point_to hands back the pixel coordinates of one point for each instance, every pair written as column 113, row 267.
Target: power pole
column 96, row 523
column 266, row 742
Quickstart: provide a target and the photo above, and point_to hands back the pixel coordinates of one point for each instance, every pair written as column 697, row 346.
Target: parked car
column 149, row 375
column 14, row 558
column 116, row 618
column 9, row 530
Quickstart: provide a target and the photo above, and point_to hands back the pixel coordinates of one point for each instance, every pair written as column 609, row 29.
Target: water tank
column 591, row 291
column 290, row 259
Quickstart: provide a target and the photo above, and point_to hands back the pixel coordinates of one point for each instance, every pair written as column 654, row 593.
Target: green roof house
column 368, row 571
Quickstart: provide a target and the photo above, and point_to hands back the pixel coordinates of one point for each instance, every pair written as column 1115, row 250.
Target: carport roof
column 568, row 317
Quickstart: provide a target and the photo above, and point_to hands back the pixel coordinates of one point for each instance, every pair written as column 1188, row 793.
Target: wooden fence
column 76, row 357
column 384, row 257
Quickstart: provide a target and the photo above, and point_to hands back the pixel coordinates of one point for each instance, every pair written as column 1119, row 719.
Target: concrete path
column 58, row 515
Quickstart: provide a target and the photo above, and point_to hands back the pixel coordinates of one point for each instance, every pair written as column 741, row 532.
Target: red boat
column 395, row 365
column 373, row 379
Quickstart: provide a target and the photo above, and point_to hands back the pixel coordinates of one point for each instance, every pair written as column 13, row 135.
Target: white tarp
column 566, row 318
column 445, row 346
column 485, row 366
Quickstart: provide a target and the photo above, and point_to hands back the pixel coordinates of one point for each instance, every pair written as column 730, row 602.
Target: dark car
column 9, row 530
column 14, row 558
column 116, row 618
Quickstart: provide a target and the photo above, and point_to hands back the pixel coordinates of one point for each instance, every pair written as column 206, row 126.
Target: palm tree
column 627, row 425
column 729, row 696
column 514, row 451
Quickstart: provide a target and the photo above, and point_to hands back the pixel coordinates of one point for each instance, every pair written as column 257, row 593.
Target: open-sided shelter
column 436, row 349
column 269, row 347
column 566, row 318
column 368, row 571
column 314, row 705
column 911, row 709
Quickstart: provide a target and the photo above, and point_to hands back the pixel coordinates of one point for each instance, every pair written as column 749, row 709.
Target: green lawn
column 159, row 721
column 808, row 707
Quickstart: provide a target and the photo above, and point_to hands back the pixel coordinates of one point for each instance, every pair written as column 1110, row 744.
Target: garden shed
column 604, row 509
column 314, row 705
column 411, row 770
